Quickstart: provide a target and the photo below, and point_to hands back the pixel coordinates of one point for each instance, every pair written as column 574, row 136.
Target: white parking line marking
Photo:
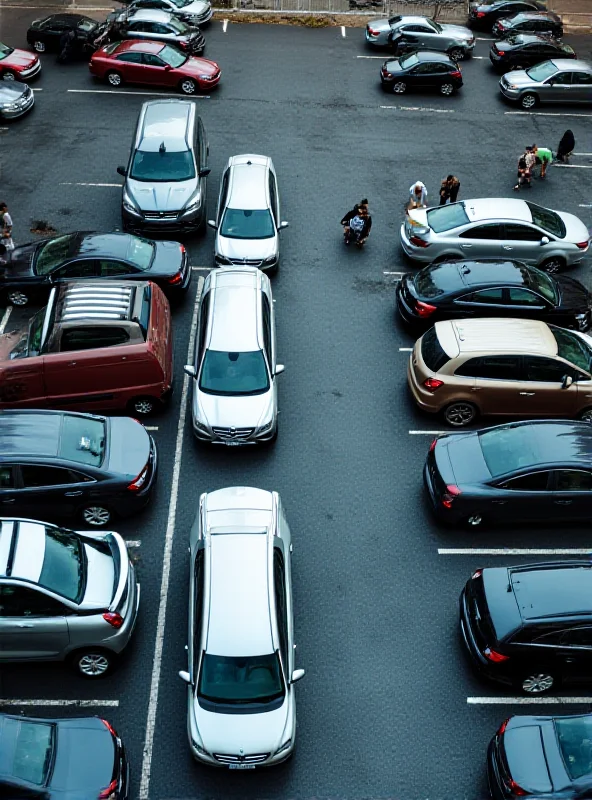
column 224, row 25
column 343, row 31
column 118, row 185
column 544, row 114
column 385, row 272
column 151, row 427
column 122, row 92
column 78, row 8
column 35, row 90
column 405, row 349
column 201, row 269
column 382, row 58
column 523, row 701
column 78, row 703
column 5, row 318
column 478, row 58
column 581, row 154
column 421, row 108
column 585, row 205
column 427, row 433
column 514, row 551
column 132, row 543
column 484, row 39
column 573, row 166
column 166, row 565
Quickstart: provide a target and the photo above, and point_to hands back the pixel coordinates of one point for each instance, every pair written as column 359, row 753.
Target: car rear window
column 510, row 447
column 575, row 736
column 83, row 440
column 543, row 284
column 445, row 218
column 111, row 48
column 547, row 220
column 436, row 280
column 432, row 352
column 144, row 318
column 409, row 61
column 52, row 253
column 64, row 564
column 32, row 754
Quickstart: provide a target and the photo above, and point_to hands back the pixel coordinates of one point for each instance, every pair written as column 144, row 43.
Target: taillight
column 480, row 13
column 138, row 482
column 419, row 242
column 433, row 445
column 182, row 248
column 582, row 245
column 494, row 656
column 110, row 728
column 175, row 280
column 424, row 310
column 431, row 384
column 476, row 574
column 113, row 618
column 517, row 790
column 456, row 74
column 372, row 32
column 449, row 495
column 106, row 793
column 503, row 726
column 501, row 52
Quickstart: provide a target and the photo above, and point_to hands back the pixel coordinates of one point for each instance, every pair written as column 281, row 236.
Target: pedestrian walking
column 6, row 227
column 526, row 163
column 67, row 40
column 449, row 189
column 544, row 157
column 418, row 196
column 566, row 146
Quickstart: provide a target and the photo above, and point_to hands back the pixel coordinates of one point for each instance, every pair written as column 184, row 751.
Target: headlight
column 270, row 260
column 193, row 205
column 199, row 748
column 129, row 204
column 222, row 260
column 11, row 107
column 512, row 86
column 284, row 747
column 267, row 427
column 204, row 77
column 200, row 426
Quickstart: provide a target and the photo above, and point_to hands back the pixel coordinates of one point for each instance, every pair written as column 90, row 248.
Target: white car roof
column 150, row 15
column 235, row 301
column 497, row 208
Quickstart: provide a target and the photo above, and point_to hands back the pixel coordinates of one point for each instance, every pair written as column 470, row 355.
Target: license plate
column 233, row 444
column 241, row 766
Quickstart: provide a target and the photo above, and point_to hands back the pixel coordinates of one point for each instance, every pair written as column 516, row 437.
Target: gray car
column 194, row 12
column 495, row 228
column 16, row 99
column 405, row 34
column 65, row 595
column 158, row 26
column 561, row 80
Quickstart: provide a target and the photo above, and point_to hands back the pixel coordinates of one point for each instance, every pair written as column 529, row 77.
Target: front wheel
column 400, row 87
column 528, row 100
column 92, row 662
column 538, row 682
column 188, row 86
column 585, row 415
column 447, row 89
column 17, row 298
column 457, row 54
column 553, row 265
column 114, row 78
column 460, row 414
column 8, row 75
column 39, row 47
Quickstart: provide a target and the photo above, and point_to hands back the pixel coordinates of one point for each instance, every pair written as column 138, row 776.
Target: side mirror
column 545, row 240
column 296, row 675
column 203, row 173
column 122, row 171
column 283, row 225
column 189, row 370
column 566, row 382
column 212, row 224
column 185, row 677
column 279, row 368
column 167, row 67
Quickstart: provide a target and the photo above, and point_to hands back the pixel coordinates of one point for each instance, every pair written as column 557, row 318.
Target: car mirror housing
column 566, row 382
column 284, row 224
column 203, row 173
column 188, row 369
column 122, row 171
column 185, row 676
column 212, row 224
column 167, row 67
column 297, row 675
column 545, row 240
column 279, row 368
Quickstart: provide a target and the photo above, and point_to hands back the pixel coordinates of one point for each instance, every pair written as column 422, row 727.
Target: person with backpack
column 359, row 227
column 6, row 228
column 350, row 215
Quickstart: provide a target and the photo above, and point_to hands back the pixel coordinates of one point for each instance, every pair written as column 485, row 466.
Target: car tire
column 144, row 406
column 585, row 415
column 39, row 47
column 460, row 413
column 553, row 265
column 114, row 78
column 400, row 87
column 92, row 662
column 447, row 89
column 95, row 515
column 537, row 683
column 457, row 54
column 528, row 101
column 8, row 75
column 17, row 298
column 188, row 86
column 474, row 521
column 516, row 67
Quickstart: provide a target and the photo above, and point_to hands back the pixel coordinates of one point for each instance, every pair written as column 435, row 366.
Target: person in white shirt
column 6, row 232
column 418, row 196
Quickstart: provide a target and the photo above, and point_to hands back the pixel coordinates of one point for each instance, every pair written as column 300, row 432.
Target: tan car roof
column 490, row 336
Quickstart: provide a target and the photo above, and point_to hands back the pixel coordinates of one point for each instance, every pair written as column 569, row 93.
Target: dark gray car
column 16, row 99
column 405, row 34
column 560, row 80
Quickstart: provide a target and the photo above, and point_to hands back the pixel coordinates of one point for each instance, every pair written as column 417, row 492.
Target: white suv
column 241, row 675
column 247, row 220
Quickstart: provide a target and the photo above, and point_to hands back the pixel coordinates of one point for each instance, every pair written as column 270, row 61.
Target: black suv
column 530, row 626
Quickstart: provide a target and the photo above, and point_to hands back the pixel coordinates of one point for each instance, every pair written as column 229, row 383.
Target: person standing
column 526, row 163
column 543, row 156
column 6, row 230
column 449, row 189
column 418, row 196
column 566, row 146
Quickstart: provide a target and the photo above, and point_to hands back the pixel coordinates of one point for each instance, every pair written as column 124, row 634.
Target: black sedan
column 69, row 759
column 421, row 70
column 542, row 22
column 483, row 15
column 454, row 289
column 549, row 756
column 525, row 50
column 34, row 268
column 533, row 471
column 45, row 34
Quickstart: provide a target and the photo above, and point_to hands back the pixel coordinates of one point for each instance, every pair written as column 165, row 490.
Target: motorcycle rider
column 359, row 226
column 350, row 215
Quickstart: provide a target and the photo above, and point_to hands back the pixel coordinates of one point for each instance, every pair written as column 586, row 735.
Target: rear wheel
column 92, row 662
column 553, row 265
column 460, row 414
column 114, row 78
column 528, row 100
column 538, row 682
column 17, row 298
column 95, row 515
column 39, row 47
column 400, row 87
column 585, row 415
column 188, row 86
column 447, row 89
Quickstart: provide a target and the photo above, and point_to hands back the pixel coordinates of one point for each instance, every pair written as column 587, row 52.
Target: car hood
column 21, row 261
column 73, row 770
column 162, row 196
column 197, row 8
column 525, row 755
column 11, row 91
column 168, row 259
column 457, row 32
column 379, row 25
column 20, row 59
column 233, row 733
column 250, row 249
column 575, row 230
column 129, row 447
column 518, row 77
column 234, row 412
column 573, row 293
column 199, row 66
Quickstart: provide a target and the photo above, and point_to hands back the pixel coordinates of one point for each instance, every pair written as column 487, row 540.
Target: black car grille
column 226, row 758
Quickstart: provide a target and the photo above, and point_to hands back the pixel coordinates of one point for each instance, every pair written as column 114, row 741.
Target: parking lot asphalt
column 388, row 707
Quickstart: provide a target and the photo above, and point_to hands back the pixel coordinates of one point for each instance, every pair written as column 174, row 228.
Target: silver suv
column 561, row 80
column 165, row 180
column 495, row 228
column 406, row 34
column 65, row 595
column 234, row 387
column 241, row 702
column 148, row 24
column 247, row 220
column 194, row 12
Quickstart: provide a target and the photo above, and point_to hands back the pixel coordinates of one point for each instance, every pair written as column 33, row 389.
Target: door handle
column 476, row 388
column 10, row 500
column 527, row 394
column 73, row 494
column 71, row 363
column 563, row 502
column 466, row 246
column 24, row 625
column 499, row 502
column 507, row 247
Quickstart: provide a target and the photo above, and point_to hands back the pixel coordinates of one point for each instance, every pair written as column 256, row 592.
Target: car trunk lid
column 74, row 770
column 525, row 760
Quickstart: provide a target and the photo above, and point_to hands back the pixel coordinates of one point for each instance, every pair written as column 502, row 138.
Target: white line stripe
column 166, row 566
column 523, row 701
column 514, row 551
column 427, row 433
column 421, row 108
column 585, row 205
column 582, row 154
column 151, row 427
column 132, row 543
column 574, row 166
column 35, row 90
column 405, row 349
column 5, row 319
column 201, row 269
column 78, row 703
column 478, row 58
column 484, row 39
column 118, row 185
column 77, row 8
column 3, row 129
column 224, row 25
column 544, row 114
column 381, row 58
column 122, row 92
column 385, row 272
column 343, row 31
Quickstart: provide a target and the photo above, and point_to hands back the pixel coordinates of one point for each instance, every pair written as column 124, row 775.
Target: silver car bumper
column 423, row 254
column 23, row 105
column 30, row 73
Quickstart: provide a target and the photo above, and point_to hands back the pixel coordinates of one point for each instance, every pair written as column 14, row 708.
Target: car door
column 430, row 38
column 541, row 393
column 282, row 608
column 223, row 195
column 154, row 71
column 483, row 303
column 523, row 498
column 572, row 494
column 497, row 382
column 557, row 88
column 521, row 242
column 406, row 39
column 140, row 29
column 421, row 76
column 526, row 303
column 482, row 240
column 131, row 66
column 9, row 483
column 51, row 491
column 52, row 33
column 22, row 384
column 575, row 653
column 273, row 198
column 32, row 624
column 581, row 87
column 84, row 268
column 109, row 268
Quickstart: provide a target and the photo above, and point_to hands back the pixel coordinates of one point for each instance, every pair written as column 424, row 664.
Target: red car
column 154, row 63
column 18, row 65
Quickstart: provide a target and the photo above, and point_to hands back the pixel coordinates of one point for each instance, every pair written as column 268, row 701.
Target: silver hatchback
column 560, row 80
column 65, row 595
column 495, row 228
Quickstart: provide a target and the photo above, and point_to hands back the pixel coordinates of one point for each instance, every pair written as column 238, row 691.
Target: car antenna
column 162, row 148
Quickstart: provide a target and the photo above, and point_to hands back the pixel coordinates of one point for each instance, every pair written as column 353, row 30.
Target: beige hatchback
column 511, row 367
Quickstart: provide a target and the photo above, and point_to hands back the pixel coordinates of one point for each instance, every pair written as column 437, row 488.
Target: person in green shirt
column 545, row 156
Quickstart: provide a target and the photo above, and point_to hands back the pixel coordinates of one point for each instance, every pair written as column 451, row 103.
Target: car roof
column 432, row 55
column 511, row 208
column 239, row 622
column 150, row 15
column 70, row 18
column 531, row 38
column 491, row 335
column 572, row 64
column 35, row 433
column 138, row 46
column 108, row 245
column 417, row 18
column 536, row 15
column 234, row 310
column 248, row 186
column 456, row 275
column 563, row 591
column 27, row 558
column 165, row 121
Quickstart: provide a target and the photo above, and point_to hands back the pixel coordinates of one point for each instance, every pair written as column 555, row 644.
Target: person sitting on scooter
column 351, row 214
column 360, row 226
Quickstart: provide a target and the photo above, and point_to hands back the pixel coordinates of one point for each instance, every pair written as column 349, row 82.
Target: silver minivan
column 235, row 368
column 560, row 80
column 247, row 220
column 241, row 705
column 65, row 595
column 166, row 177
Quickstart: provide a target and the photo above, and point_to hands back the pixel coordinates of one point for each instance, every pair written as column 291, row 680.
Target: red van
column 96, row 346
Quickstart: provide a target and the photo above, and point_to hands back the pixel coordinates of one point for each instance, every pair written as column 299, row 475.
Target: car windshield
column 565, row 48
column 5, row 51
column 31, row 757
column 409, row 61
column 87, row 25
column 542, row 71
column 52, row 253
column 179, row 27
column 543, row 284
column 237, row 680
column 546, row 219
column 182, row 3
column 64, row 564
column 163, row 165
column 82, row 439
column 171, row 56
column 249, row 224
column 234, row 374
column 572, row 348
column 510, row 447
column 445, row 218
column 575, row 737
